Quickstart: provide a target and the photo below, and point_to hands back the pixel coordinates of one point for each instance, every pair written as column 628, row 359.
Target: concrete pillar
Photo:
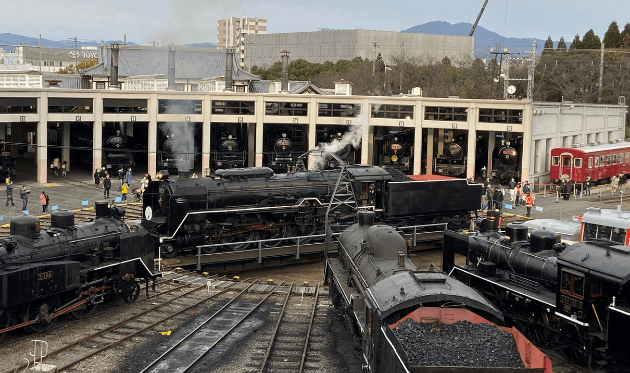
column 42, row 141
column 492, row 137
column 260, row 117
column 417, row 149
column 430, row 133
column 3, row 131
column 527, row 142
column 65, row 143
column 129, row 129
column 440, row 144
column 367, row 145
column 206, row 132
column 251, row 142
column 97, row 134
column 153, row 134
column 472, row 144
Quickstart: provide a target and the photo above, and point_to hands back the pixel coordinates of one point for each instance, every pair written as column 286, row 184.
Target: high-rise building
column 231, row 34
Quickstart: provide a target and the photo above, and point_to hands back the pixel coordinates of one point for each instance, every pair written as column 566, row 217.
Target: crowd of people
column 125, row 179
column 520, row 194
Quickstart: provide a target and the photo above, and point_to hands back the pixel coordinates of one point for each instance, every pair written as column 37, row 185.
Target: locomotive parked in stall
column 397, row 150
column 282, row 155
column 453, row 161
column 240, row 205
column 576, row 297
column 7, row 166
column 117, row 154
column 228, row 150
column 375, row 284
column 70, row 268
column 507, row 162
column 177, row 154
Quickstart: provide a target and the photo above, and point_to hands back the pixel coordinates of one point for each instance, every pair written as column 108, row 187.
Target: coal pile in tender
column 397, row 175
column 459, row 344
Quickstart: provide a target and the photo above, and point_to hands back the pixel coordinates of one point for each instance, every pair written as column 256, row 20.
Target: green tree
column 590, row 41
column 562, row 45
column 576, row 43
column 624, row 37
column 86, row 64
column 612, row 36
column 548, row 45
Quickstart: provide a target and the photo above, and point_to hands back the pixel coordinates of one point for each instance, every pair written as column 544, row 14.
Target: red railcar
column 600, row 162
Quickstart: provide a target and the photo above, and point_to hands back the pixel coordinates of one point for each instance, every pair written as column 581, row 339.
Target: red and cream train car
column 600, row 162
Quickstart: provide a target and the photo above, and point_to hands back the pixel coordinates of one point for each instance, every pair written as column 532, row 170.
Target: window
column 286, row 108
column 338, row 110
column 555, row 161
column 446, row 113
column 500, row 116
column 565, row 142
column 179, row 107
column 620, row 157
column 392, row 111
column 566, row 161
column 602, row 160
column 572, row 282
column 536, row 158
column 614, row 159
column 547, row 153
column 9, row 105
column 627, row 157
column 114, row 105
column 576, row 139
column 608, row 160
column 590, row 162
column 601, row 232
column 577, row 162
column 596, row 162
column 70, row 105
column 233, row 107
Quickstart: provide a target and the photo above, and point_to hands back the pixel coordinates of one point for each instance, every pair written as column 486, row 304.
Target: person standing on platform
column 490, row 196
column 64, row 169
column 121, row 177
column 498, row 197
column 529, row 202
column 97, row 178
column 10, row 188
column 526, row 188
column 107, row 184
column 587, row 186
column 124, row 189
column 512, row 188
column 517, row 193
column 24, row 195
column 128, row 177
column 43, row 199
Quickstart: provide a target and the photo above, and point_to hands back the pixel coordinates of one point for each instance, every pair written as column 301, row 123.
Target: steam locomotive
column 577, row 296
column 117, row 154
column 7, row 166
column 397, row 150
column 374, row 284
column 453, row 161
column 69, row 268
column 281, row 153
column 228, row 150
column 240, row 205
column 507, row 162
column 177, row 154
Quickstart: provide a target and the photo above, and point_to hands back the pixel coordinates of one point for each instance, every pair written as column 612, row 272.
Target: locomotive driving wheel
column 134, row 295
column 575, row 350
column 309, row 230
column 85, row 310
column 243, row 238
column 40, row 311
column 538, row 328
column 272, row 230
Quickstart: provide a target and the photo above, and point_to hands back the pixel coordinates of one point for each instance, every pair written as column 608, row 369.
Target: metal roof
column 602, row 147
column 605, row 260
column 189, row 63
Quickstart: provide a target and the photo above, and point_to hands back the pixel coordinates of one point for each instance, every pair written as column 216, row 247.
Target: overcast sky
column 194, row 21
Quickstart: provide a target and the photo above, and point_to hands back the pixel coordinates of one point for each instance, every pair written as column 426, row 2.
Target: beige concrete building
column 231, row 34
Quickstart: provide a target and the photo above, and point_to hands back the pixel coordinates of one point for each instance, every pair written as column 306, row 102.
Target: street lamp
column 497, row 78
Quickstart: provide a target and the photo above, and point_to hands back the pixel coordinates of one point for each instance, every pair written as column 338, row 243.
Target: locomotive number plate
column 396, row 147
column 44, row 275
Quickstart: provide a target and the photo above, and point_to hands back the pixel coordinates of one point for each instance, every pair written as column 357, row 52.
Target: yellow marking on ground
column 52, row 185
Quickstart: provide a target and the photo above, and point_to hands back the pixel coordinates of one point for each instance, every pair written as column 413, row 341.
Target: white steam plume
column 182, row 137
column 352, row 137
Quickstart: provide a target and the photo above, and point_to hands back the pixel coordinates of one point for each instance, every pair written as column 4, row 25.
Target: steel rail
column 275, row 330
column 308, row 333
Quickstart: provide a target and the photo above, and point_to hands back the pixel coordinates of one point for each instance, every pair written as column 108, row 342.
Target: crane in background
column 472, row 30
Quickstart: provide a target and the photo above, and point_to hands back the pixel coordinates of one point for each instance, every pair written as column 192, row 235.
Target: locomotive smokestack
column 171, row 68
column 101, row 210
column 113, row 72
column 493, row 220
column 366, row 218
column 229, row 69
column 284, row 85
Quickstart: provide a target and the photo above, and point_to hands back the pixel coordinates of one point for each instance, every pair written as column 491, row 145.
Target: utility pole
column 530, row 73
column 601, row 74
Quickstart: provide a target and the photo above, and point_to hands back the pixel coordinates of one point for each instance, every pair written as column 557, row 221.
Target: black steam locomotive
column 507, row 162
column 117, row 154
column 239, row 205
column 397, row 150
column 177, row 154
column 374, row 284
column 281, row 153
column 69, row 268
column 228, row 150
column 576, row 297
column 453, row 161
column 7, row 166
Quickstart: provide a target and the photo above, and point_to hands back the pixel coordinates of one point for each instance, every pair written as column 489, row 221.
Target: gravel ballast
column 458, row 344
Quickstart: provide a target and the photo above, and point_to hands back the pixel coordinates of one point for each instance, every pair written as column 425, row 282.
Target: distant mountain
column 8, row 41
column 484, row 39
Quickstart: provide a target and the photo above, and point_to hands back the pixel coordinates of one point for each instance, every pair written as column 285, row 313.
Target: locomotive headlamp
column 229, row 137
column 284, row 135
column 148, row 213
column 162, row 175
column 394, row 158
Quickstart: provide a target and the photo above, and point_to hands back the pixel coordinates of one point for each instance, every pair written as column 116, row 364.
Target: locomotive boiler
column 374, row 283
column 240, row 205
column 575, row 296
column 69, row 268
column 453, row 161
column 507, row 162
